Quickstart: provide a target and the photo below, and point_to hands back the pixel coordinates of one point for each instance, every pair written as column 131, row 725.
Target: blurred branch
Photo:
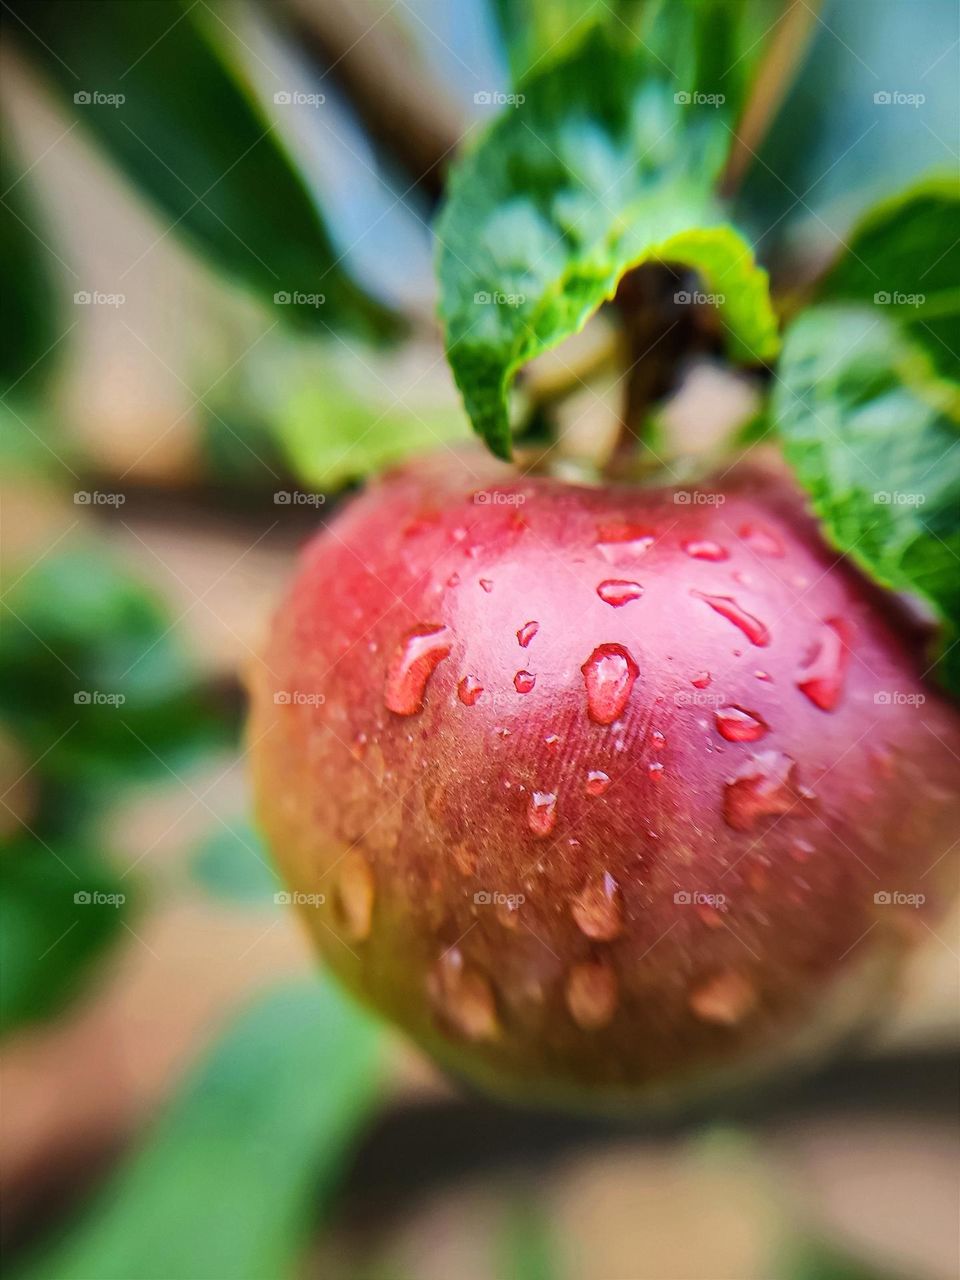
column 788, row 44
column 392, row 92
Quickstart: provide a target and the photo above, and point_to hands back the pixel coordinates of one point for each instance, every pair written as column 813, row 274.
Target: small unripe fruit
column 610, row 794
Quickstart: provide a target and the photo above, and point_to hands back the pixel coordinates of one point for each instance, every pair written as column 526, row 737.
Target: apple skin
column 708, row 915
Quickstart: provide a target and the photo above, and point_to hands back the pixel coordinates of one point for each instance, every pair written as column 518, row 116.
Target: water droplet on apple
column 618, row 591
column 463, row 997
column 542, row 813
column 761, row 539
column 469, row 690
column 609, row 675
column 655, row 770
column 725, row 999
column 591, row 994
column 355, row 894
column 704, row 549
column 524, row 681
column 763, row 787
column 597, row 782
column 486, row 584
column 737, row 725
column 701, row 680
column 728, row 608
column 527, row 632
column 598, row 908
column 621, row 543
column 418, row 654
column 823, row 676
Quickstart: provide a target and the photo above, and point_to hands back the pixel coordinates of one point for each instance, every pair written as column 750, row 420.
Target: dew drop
column 823, row 676
column 655, row 770
column 597, row 782
column 737, row 725
column 763, row 787
column 710, row 916
column 765, row 676
column 469, row 690
column 701, row 680
column 591, row 994
column 619, row 591
column 542, row 813
column 621, row 543
column 728, row 608
column 706, row 550
column 416, row 657
column 598, row 908
column 355, row 894
column 609, row 675
column 801, row 850
column 358, row 748
column 463, row 997
column 552, row 740
column 524, row 681
column 725, row 999
column 486, row 584
column 453, row 580
column 759, row 538
column 658, row 738
column 527, row 632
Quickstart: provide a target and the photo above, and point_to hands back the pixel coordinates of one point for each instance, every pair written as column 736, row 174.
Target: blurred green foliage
column 235, row 1173
column 209, row 158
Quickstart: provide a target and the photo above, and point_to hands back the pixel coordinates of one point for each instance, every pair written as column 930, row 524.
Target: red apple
column 602, row 793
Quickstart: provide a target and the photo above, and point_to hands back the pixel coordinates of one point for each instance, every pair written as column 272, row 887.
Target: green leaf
column 149, row 82
column 874, row 443
column 905, row 257
column 233, row 1175
column 59, row 908
column 93, row 674
column 709, row 46
column 600, row 169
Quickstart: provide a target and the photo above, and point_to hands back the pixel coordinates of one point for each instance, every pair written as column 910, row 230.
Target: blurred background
column 218, row 269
